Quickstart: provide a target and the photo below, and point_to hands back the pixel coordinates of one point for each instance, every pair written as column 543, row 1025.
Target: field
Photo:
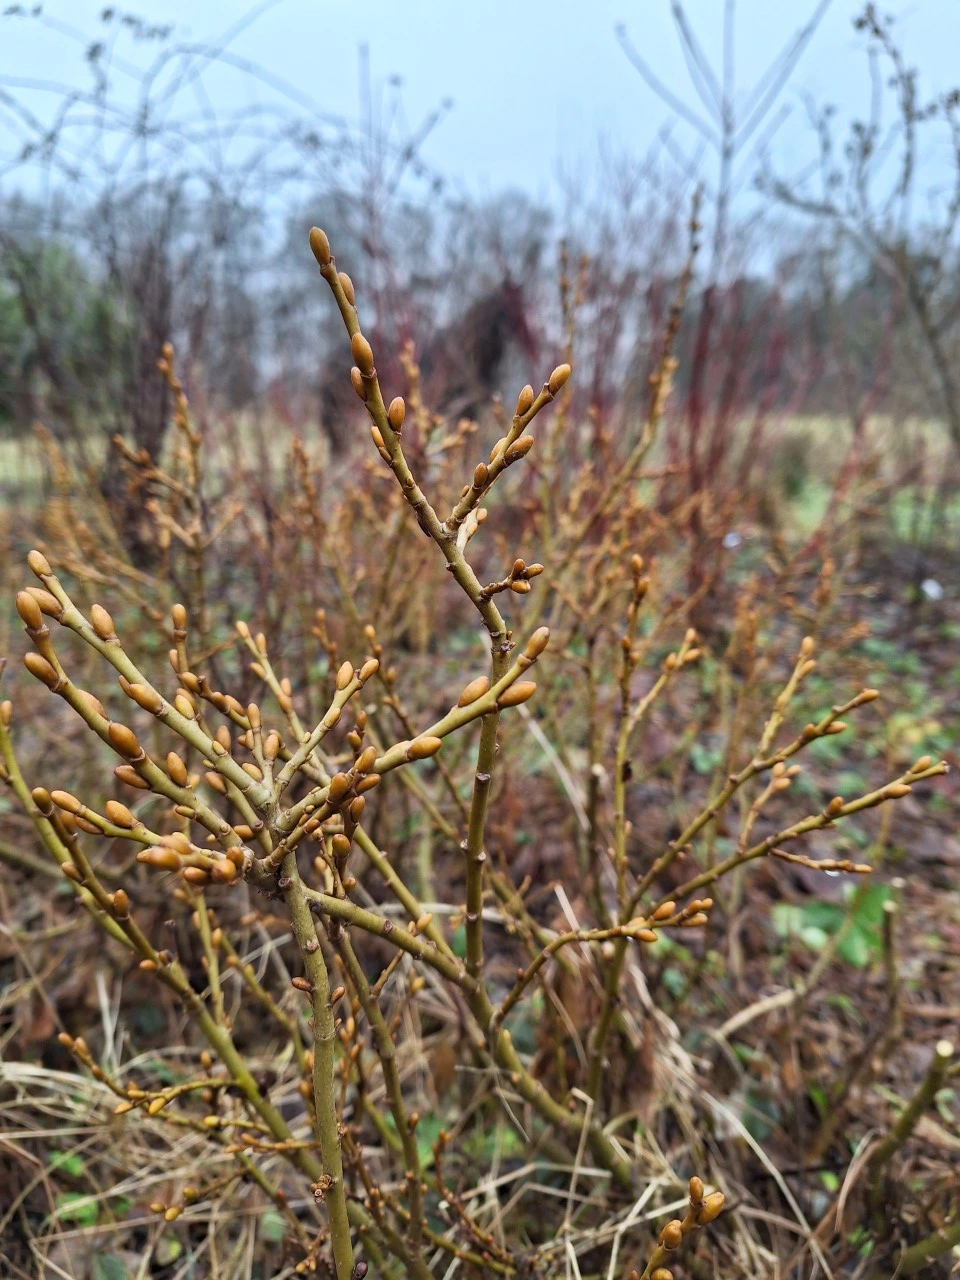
column 479, row 716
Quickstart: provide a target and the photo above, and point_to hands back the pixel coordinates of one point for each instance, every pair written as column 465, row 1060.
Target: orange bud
column 161, row 857
column 29, row 610
column 696, row 1190
column 362, row 354
column 537, row 642
column 178, row 616
column 145, row 697
column 102, row 623
column 39, row 563
column 127, row 774
column 396, row 413
column 710, row 1209
column 223, row 871
column 558, row 378
column 340, row 845
column 474, row 690
column 519, row 449
column 665, row 911
column 524, row 400
column 320, row 246
column 119, row 814
column 423, row 747
column 369, row 669
column 339, row 786
column 368, row 783
column 49, row 604
column 64, row 800
column 366, row 760
column 344, row 676
column 124, row 741
column 195, row 875
column 121, row 904
column 517, row 693
column 41, row 669
column 347, row 285
column 671, row 1235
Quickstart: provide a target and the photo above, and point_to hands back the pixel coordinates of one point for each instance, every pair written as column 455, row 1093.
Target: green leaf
column 68, row 1162
column 458, row 941
column 856, row 948
column 107, row 1266
column 168, row 1249
column 73, row 1206
column 273, row 1226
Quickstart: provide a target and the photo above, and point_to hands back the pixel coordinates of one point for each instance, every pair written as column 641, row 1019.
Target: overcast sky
column 533, row 83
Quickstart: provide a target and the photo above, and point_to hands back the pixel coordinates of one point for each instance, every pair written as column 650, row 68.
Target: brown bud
column 347, row 285
column 195, row 875
column 102, row 623
column 661, row 1273
column 271, row 745
column 520, row 586
column 41, row 669
column 145, row 697
column 71, row 872
column 339, row 786
column 519, row 449
column 369, row 669
column 49, row 604
column 356, row 381
column 558, row 378
column 121, row 904
column 834, row 807
column 537, row 642
column 252, row 771
column 710, row 1209
column 894, row 790
column 6, row 711
column 64, row 800
column 481, row 474
column 517, row 693
column 362, row 354
column 671, row 1235
column 356, row 807
column 396, row 413
column 524, row 400
column 161, row 858
column 223, row 871
column 183, row 704
column 474, row 690
column 178, row 616
column 176, row 769
column 920, row 765
column 127, row 774
column 119, row 814
column 366, row 760
column 344, row 676
column 368, row 783
column 340, row 845
column 39, row 564
column 696, row 1190
column 29, row 610
column 302, row 984
column 665, row 911
column 320, row 246
column 807, row 646
column 124, row 741
column 423, row 747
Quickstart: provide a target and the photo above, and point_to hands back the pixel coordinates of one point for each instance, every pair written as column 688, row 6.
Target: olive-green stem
column 324, row 1042
column 387, row 1053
